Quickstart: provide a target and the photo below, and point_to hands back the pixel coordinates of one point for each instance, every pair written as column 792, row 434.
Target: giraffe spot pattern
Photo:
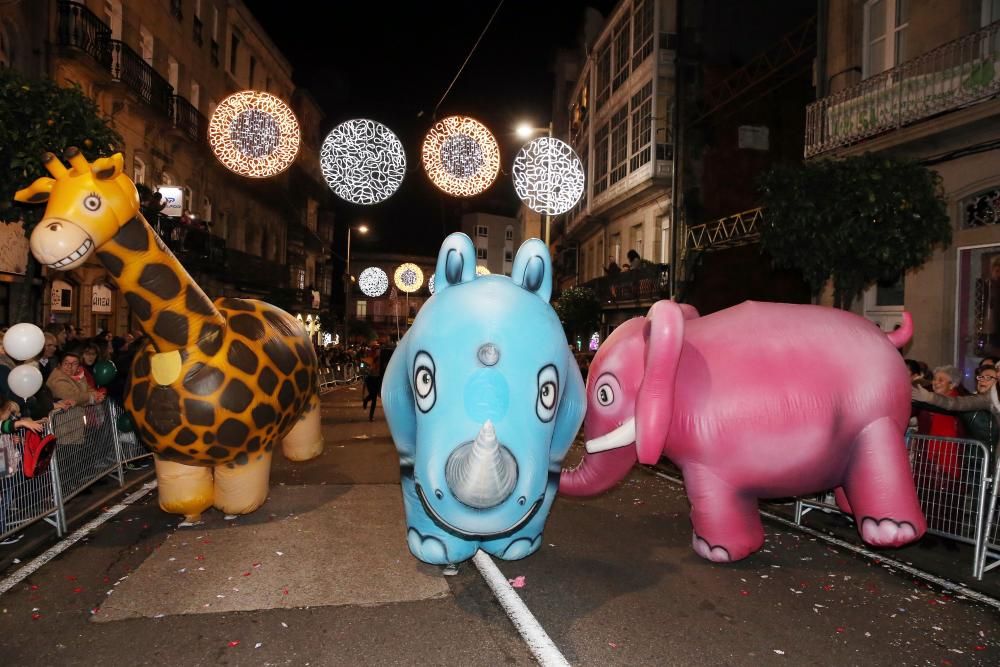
column 133, row 235
column 140, row 391
column 172, row 327
column 196, row 301
column 160, row 280
column 185, row 436
column 233, row 433
column 140, row 368
column 242, row 357
column 164, row 411
column 237, row 304
column 263, row 415
column 247, row 325
column 253, row 444
column 236, row 396
column 267, row 381
column 286, row 395
column 142, row 308
column 284, row 324
column 203, row 380
column 217, row 452
column 210, row 339
column 280, row 355
column 208, row 437
column 302, row 379
column 112, row 263
column 241, row 459
column 199, row 413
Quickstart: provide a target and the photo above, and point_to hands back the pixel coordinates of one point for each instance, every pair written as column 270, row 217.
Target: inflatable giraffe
column 219, row 383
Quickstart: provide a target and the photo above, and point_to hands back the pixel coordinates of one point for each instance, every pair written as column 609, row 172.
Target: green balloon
column 104, row 373
column 125, row 423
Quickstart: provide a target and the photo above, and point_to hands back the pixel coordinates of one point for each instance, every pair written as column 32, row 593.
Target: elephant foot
column 708, row 552
column 887, row 532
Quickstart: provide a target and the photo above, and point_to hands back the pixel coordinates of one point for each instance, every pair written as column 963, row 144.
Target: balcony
column 196, row 31
column 636, row 288
column 242, row 267
column 214, row 50
column 80, row 28
column 951, row 76
column 176, row 10
column 129, row 68
column 188, row 119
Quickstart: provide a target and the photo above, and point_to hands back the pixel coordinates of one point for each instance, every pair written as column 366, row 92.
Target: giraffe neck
column 171, row 308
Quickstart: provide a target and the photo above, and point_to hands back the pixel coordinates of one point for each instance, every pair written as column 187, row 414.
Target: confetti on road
column 779, row 651
column 612, row 645
column 517, row 582
column 235, row 642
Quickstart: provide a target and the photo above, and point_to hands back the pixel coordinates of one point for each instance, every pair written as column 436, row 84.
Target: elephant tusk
column 622, row 436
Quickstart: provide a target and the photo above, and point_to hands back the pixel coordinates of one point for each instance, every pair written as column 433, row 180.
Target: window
column 481, row 253
column 508, row 256
column 195, row 94
column 616, row 247
column 113, row 16
column 138, row 170
column 642, row 31
column 146, row 44
column 482, row 230
column 623, row 48
column 635, row 236
column 206, row 209
column 601, row 159
column 508, row 234
column 234, row 47
column 604, row 74
column 642, row 126
column 885, row 33
column 173, row 72
column 361, row 309
column 619, row 145
column 981, row 209
column 253, row 69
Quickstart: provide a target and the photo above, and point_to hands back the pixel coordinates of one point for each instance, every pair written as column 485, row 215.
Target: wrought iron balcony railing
column 638, row 287
column 188, row 119
column 951, row 76
column 196, row 28
column 79, row 27
column 128, row 67
column 729, row 232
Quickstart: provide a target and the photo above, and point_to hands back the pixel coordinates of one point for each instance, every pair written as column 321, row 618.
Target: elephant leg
column 183, row 489
column 842, row 502
column 526, row 540
column 305, row 440
column 428, row 541
column 879, row 487
column 726, row 521
column 240, row 489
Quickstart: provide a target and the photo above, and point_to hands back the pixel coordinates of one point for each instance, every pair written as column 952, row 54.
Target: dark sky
column 390, row 62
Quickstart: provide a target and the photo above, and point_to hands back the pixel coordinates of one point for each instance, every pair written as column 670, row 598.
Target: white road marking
column 947, row 585
column 84, row 530
column 527, row 625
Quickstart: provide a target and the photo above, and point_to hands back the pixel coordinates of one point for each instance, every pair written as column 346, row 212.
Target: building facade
column 390, row 313
column 157, row 69
column 496, row 237
column 921, row 80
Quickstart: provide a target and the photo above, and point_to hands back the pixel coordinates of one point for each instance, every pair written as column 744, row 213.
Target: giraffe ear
column 107, row 168
column 37, row 192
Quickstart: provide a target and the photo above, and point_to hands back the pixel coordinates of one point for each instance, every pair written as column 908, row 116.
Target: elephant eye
column 423, row 381
column 548, row 392
column 92, row 202
column 605, row 394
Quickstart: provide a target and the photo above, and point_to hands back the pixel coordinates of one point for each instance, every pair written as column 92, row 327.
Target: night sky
column 393, row 62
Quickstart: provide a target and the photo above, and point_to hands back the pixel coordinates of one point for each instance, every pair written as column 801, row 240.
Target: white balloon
column 25, row 381
column 23, row 341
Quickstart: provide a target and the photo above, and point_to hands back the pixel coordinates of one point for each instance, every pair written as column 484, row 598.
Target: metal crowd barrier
column 952, row 480
column 990, row 549
column 89, row 446
column 338, row 374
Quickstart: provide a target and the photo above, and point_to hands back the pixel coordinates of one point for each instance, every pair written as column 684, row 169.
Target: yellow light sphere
column 408, row 277
column 482, row 271
column 254, row 134
column 461, row 156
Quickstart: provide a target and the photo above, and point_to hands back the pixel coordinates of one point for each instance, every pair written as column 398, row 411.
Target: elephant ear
column 654, row 407
column 397, row 402
column 533, row 269
column 456, row 263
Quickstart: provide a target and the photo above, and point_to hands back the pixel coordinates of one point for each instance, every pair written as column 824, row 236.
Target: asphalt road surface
column 321, row 576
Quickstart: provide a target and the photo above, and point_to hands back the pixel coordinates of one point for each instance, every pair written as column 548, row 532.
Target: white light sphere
column 362, row 161
column 254, row 134
column 25, row 381
column 461, row 156
column 430, row 284
column 408, row 277
column 548, row 176
column 23, row 341
column 373, row 282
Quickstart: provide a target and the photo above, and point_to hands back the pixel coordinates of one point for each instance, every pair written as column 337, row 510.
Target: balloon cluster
column 22, row 342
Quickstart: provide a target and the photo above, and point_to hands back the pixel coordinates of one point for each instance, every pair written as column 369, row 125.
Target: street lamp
column 362, row 229
column 526, row 131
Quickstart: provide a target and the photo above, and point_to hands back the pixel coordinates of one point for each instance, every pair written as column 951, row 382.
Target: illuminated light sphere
column 461, row 156
column 363, row 161
column 409, row 278
column 430, row 284
column 373, row 281
column 482, row 271
column 595, row 341
column 548, row 176
column 254, row 134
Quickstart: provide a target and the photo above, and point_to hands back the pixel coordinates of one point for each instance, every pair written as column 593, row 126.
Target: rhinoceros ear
column 533, row 269
column 456, row 262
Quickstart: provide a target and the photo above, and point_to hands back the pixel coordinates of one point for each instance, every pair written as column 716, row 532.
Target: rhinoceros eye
column 548, row 392
column 423, row 381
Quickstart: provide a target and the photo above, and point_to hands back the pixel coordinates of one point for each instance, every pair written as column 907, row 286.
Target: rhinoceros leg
column 726, row 522
column 879, row 487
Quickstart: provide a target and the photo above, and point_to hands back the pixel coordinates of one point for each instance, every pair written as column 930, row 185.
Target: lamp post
column 362, row 229
column 526, row 131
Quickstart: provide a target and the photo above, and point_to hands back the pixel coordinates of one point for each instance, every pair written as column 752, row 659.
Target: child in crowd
column 10, row 419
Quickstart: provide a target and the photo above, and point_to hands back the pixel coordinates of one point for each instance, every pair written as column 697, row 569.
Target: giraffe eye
column 92, row 202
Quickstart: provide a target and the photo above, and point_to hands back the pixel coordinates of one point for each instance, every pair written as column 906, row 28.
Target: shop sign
column 174, row 196
column 62, row 297
column 100, row 301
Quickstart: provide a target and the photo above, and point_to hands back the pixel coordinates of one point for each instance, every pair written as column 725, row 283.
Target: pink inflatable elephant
column 762, row 400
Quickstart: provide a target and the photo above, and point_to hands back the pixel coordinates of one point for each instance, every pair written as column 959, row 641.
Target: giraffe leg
column 305, row 440
column 183, row 489
column 240, row 489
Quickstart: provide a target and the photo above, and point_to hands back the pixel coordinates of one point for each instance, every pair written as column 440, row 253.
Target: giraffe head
column 87, row 204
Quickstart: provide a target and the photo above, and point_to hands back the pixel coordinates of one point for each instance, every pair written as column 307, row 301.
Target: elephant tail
column 904, row 333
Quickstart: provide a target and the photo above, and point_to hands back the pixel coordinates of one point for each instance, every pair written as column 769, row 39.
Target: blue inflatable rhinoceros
column 483, row 398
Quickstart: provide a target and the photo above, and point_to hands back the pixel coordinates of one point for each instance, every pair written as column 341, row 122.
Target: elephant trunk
column 597, row 472
column 481, row 473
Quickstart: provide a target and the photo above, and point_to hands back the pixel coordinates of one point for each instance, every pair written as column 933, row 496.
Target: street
column 321, row 575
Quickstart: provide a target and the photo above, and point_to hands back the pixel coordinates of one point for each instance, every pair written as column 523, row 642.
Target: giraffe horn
column 54, row 166
column 76, row 158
